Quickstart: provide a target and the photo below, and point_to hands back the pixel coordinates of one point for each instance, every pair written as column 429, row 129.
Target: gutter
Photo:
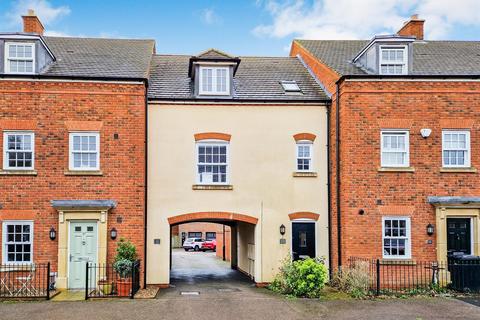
column 337, row 161
column 14, row 77
column 234, row 101
column 406, row 77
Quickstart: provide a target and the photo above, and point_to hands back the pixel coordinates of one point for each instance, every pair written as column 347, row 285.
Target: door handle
column 71, row 258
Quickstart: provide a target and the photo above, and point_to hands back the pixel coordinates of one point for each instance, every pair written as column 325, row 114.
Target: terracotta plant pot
column 105, row 287
column 124, row 287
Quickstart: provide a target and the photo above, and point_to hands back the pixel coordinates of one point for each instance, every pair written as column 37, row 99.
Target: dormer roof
column 388, row 39
column 212, row 56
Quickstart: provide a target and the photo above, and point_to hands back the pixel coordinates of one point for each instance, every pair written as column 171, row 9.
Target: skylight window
column 290, row 86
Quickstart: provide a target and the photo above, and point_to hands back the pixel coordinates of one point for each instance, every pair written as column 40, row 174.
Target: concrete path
column 226, row 294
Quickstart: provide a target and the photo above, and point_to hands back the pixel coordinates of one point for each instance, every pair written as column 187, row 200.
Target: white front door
column 83, row 249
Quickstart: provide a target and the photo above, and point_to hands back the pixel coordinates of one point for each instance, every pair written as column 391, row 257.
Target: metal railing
column 25, row 281
column 103, row 281
column 397, row 277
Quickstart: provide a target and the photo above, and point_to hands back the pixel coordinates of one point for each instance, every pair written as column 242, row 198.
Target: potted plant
column 126, row 256
column 105, row 286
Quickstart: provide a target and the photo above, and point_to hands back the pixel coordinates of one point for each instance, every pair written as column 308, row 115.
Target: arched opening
column 212, row 247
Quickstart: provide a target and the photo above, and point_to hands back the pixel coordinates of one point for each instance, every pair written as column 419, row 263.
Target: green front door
column 83, row 249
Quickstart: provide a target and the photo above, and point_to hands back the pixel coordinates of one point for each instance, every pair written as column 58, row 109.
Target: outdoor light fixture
column 53, row 234
column 430, row 229
column 282, row 230
column 113, row 234
column 425, row 132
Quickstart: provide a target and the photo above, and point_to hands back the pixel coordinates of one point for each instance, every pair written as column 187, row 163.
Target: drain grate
column 189, row 293
column 228, row 290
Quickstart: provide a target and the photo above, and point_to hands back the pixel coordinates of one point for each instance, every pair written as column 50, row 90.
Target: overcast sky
column 243, row 27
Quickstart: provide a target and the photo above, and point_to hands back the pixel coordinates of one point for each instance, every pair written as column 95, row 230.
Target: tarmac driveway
column 227, row 294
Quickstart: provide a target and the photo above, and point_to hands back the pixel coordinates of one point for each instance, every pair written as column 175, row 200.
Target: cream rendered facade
column 262, row 163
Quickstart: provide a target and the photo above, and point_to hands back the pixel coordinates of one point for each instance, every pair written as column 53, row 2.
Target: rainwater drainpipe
column 337, row 178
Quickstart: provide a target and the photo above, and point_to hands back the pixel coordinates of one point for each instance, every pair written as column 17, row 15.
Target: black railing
column 103, row 281
column 397, row 277
column 25, row 281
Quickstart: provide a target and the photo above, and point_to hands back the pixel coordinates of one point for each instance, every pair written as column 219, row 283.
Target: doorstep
column 69, row 295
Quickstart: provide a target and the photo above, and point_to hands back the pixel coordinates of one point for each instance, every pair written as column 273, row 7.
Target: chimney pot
column 31, row 23
column 413, row 27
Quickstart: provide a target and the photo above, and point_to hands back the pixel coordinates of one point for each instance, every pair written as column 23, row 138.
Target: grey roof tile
column 257, row 78
column 98, row 57
column 429, row 57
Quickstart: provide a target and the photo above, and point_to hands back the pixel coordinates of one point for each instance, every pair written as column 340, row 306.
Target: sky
column 243, row 27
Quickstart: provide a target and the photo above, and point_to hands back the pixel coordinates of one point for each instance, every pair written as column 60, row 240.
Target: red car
column 209, row 245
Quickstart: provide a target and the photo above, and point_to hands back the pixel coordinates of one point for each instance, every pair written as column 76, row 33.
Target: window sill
column 18, row 172
column 458, row 170
column 305, row 174
column 83, row 173
column 393, row 261
column 396, row 169
column 27, row 266
column 212, row 187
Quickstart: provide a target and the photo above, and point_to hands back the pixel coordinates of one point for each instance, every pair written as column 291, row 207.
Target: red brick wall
column 365, row 108
column 48, row 106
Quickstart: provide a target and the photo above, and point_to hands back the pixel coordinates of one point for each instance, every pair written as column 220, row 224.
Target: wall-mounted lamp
column 430, row 229
column 425, row 132
column 282, row 230
column 113, row 234
column 52, row 233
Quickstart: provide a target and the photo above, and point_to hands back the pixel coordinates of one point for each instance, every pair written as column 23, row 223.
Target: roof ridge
column 97, row 38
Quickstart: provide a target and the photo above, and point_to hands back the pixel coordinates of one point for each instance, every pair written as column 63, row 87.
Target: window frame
column 8, row 58
column 382, row 62
column 213, row 143
column 5, row 223
column 6, row 133
column 214, row 91
column 407, row 147
column 71, row 135
column 467, row 158
column 310, row 145
column 408, row 238
column 210, row 232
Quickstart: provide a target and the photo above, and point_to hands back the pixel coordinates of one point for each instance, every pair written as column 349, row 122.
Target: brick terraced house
column 72, row 122
column 405, row 135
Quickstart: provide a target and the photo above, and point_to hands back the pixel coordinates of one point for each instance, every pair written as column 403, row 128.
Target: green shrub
column 302, row 278
column 126, row 255
column 354, row 280
column 126, row 251
column 123, row 267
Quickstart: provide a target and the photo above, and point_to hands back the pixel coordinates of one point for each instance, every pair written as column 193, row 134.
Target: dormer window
column 393, row 60
column 214, row 80
column 19, row 57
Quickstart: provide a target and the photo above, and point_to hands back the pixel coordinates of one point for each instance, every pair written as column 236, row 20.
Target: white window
column 214, row 81
column 393, row 60
column 84, row 151
column 17, row 242
column 18, row 150
column 396, row 237
column 19, row 57
column 212, row 162
column 304, row 156
column 395, row 149
column 456, row 148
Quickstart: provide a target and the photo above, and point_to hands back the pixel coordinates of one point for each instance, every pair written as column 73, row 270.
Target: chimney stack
column 413, row 27
column 31, row 23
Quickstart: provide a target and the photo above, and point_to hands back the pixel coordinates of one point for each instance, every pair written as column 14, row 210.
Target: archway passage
column 194, row 265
